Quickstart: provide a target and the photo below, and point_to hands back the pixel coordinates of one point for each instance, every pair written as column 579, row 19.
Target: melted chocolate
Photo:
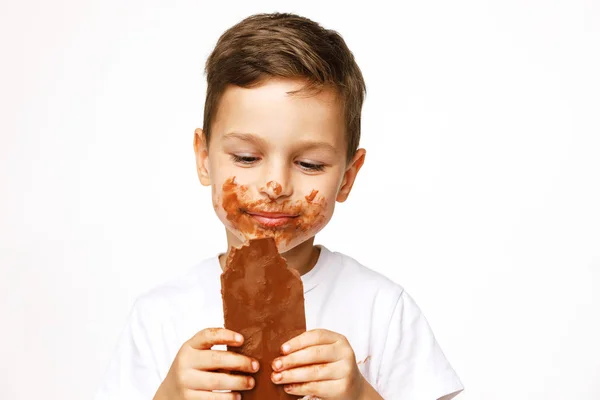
column 264, row 301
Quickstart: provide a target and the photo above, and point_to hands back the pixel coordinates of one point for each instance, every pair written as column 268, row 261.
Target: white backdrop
column 482, row 131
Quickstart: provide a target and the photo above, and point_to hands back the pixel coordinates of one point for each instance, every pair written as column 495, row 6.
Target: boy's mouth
column 271, row 219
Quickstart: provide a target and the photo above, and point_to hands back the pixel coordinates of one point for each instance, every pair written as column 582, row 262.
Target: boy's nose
column 277, row 180
column 274, row 189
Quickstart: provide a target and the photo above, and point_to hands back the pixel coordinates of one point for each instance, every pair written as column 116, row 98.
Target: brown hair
column 286, row 46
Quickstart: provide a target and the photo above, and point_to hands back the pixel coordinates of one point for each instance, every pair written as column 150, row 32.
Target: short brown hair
column 286, row 46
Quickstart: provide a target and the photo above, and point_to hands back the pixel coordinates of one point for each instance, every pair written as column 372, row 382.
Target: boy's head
column 281, row 129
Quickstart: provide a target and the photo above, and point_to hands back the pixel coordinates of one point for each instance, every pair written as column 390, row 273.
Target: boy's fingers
column 204, row 380
column 209, row 337
column 319, row 354
column 309, row 338
column 310, row 373
column 210, row 360
column 204, row 395
column 318, row 389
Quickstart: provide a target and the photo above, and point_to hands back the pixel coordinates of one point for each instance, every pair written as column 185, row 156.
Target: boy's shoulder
column 366, row 273
column 349, row 275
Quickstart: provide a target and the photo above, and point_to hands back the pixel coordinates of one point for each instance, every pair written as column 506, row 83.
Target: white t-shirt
column 380, row 320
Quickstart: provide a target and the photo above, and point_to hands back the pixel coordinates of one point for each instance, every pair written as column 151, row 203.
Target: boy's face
column 276, row 162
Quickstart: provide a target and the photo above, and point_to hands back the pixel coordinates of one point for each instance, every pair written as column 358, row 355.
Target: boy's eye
column 247, row 160
column 243, row 159
column 311, row 167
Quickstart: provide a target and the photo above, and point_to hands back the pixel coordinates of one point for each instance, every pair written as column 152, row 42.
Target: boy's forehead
column 262, row 141
column 280, row 107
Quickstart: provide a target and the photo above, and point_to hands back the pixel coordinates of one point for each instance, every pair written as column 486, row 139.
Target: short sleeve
column 132, row 373
column 413, row 366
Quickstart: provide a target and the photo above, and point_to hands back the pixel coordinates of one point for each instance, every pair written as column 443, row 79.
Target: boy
column 279, row 146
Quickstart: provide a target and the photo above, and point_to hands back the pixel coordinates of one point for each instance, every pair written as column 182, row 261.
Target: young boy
column 278, row 148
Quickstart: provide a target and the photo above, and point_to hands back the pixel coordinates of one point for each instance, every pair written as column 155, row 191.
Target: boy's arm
column 413, row 365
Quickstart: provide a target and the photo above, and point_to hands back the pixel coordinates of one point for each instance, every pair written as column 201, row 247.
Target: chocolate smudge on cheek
column 236, row 201
column 311, row 196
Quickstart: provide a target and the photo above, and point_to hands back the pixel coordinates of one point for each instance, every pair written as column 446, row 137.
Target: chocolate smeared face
column 276, row 161
column 289, row 222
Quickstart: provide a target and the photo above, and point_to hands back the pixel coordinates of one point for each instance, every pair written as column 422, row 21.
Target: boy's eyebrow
column 307, row 144
column 246, row 137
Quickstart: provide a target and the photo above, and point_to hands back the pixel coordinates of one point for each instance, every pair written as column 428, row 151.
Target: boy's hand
column 195, row 370
column 319, row 363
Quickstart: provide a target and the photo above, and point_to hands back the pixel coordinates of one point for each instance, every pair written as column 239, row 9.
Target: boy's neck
column 302, row 258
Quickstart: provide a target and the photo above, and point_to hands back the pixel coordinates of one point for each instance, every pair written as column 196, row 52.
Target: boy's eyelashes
column 248, row 160
column 243, row 159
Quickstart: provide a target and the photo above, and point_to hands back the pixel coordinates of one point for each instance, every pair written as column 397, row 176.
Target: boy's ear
column 350, row 175
column 201, row 151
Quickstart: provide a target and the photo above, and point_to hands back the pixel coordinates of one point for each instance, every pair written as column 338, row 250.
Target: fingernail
column 254, row 365
column 238, row 396
column 277, row 377
column 251, row 382
column 238, row 337
column 285, row 348
column 277, row 365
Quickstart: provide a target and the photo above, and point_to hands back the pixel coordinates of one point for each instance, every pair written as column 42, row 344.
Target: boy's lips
column 271, row 219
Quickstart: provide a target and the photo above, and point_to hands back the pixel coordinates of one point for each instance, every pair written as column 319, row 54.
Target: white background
column 480, row 193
